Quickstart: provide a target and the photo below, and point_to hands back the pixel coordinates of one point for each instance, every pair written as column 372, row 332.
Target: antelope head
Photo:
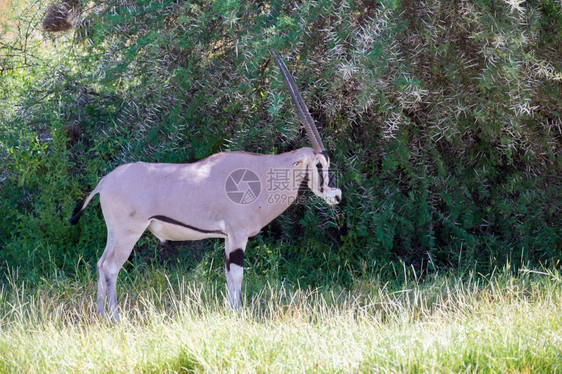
column 320, row 177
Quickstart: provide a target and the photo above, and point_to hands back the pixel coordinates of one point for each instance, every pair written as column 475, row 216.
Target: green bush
column 442, row 119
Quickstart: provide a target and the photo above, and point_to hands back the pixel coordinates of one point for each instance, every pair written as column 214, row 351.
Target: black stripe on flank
column 235, row 257
column 174, row 222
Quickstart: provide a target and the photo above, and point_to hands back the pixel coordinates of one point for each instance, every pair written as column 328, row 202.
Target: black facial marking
column 321, row 173
column 174, row 222
column 303, row 185
column 331, row 176
column 331, row 179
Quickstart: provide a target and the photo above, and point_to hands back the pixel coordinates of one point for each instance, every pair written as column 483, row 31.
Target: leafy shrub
column 443, row 119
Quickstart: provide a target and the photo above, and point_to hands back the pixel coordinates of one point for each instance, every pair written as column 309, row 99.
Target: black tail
column 77, row 213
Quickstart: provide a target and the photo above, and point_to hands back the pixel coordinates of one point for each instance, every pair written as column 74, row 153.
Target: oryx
column 229, row 195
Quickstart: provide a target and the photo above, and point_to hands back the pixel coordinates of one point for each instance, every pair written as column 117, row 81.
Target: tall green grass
column 177, row 323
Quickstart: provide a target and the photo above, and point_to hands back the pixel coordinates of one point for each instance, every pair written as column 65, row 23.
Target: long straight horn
column 307, row 120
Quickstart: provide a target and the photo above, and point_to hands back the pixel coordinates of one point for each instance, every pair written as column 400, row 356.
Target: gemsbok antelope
column 229, row 195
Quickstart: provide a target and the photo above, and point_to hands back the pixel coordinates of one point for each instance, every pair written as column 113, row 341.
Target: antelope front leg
column 234, row 268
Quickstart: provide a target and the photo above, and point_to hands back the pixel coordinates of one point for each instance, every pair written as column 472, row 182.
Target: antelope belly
column 168, row 231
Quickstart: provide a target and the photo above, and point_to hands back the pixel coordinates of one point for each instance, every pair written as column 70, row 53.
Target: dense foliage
column 443, row 118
